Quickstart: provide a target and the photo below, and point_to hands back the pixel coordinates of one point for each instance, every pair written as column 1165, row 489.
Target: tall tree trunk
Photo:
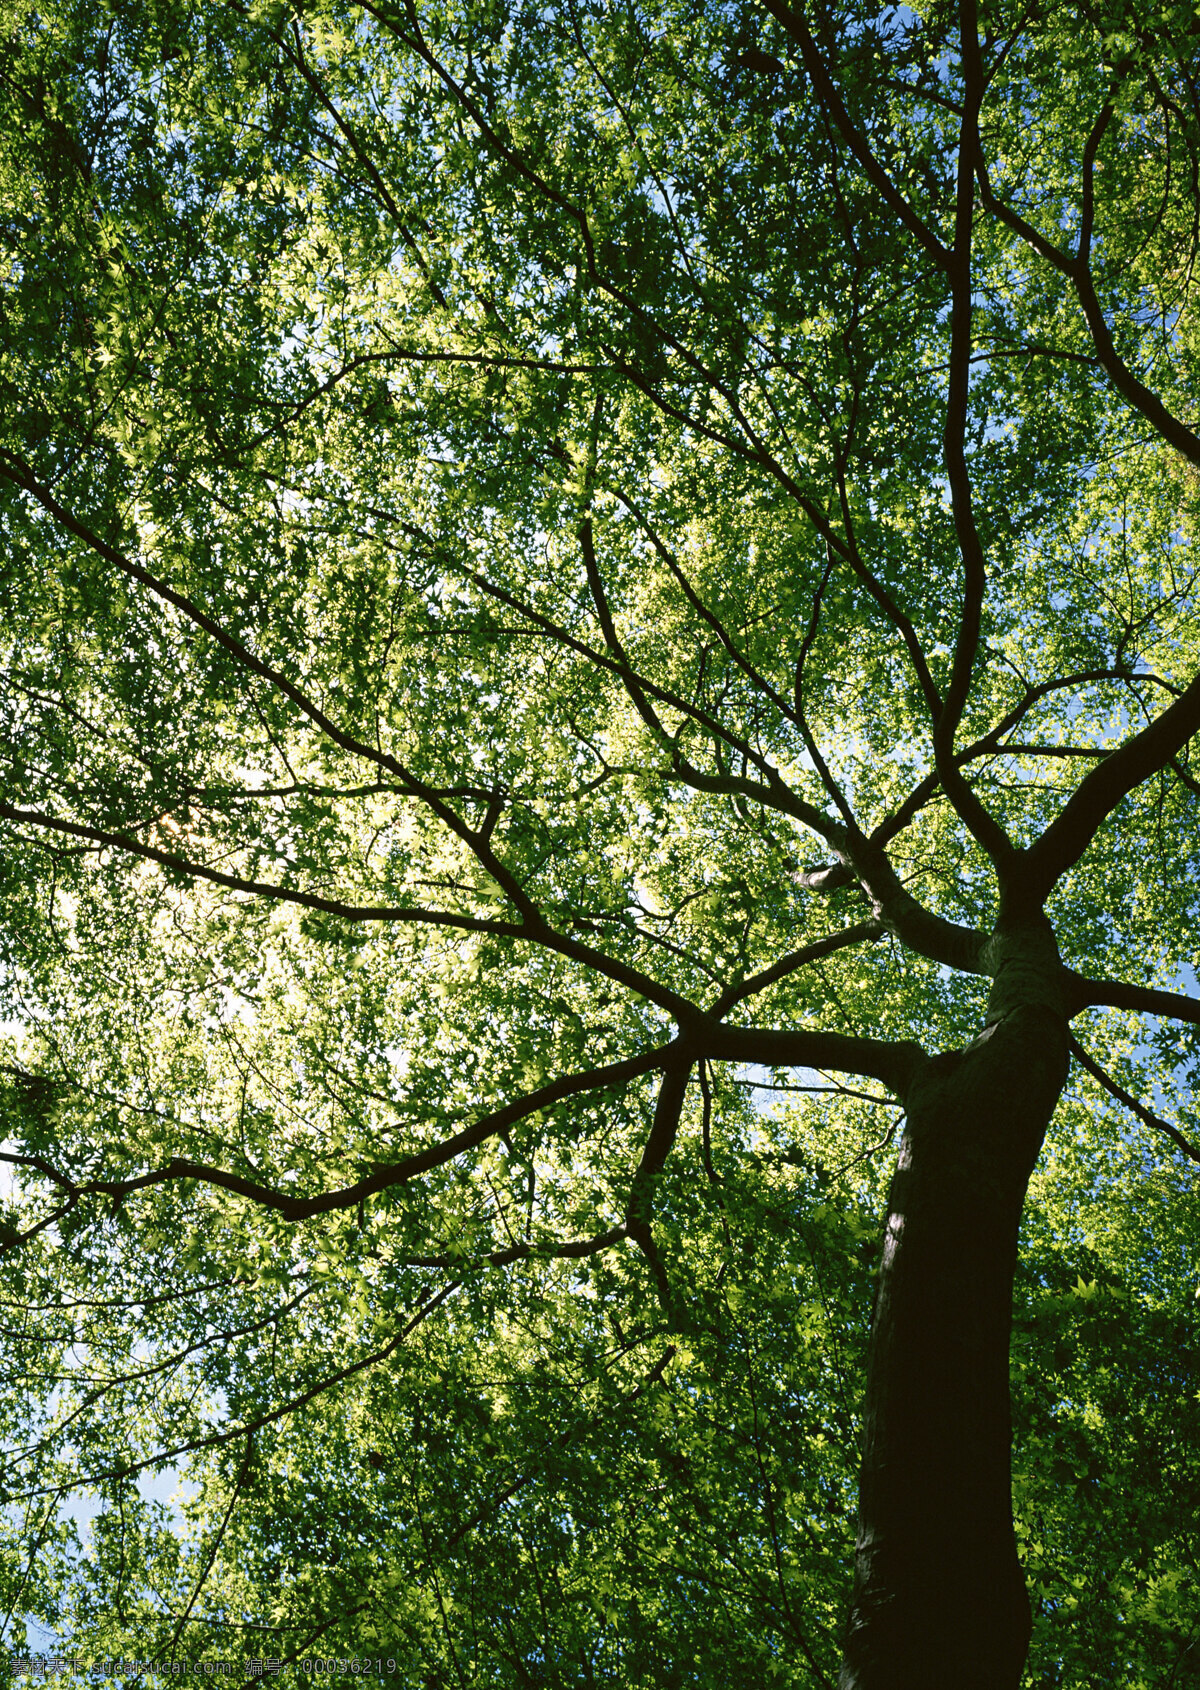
column 939, row 1598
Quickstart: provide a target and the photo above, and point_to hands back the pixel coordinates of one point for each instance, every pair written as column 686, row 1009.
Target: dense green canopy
column 507, row 514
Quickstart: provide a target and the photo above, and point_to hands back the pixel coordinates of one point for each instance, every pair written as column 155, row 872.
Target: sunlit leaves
column 342, row 322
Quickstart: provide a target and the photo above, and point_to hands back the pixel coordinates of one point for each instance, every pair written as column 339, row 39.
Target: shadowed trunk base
column 939, row 1597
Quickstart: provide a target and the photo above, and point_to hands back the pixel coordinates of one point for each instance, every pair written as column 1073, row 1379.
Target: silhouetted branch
column 1104, row 787
column 855, row 140
column 638, row 1215
column 1131, row 1103
column 860, row 933
column 1083, row 993
column 386, row 1178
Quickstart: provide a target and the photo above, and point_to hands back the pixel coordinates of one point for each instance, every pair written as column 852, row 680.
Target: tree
column 562, row 565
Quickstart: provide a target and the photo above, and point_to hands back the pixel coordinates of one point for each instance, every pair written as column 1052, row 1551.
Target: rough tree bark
column 939, row 1596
